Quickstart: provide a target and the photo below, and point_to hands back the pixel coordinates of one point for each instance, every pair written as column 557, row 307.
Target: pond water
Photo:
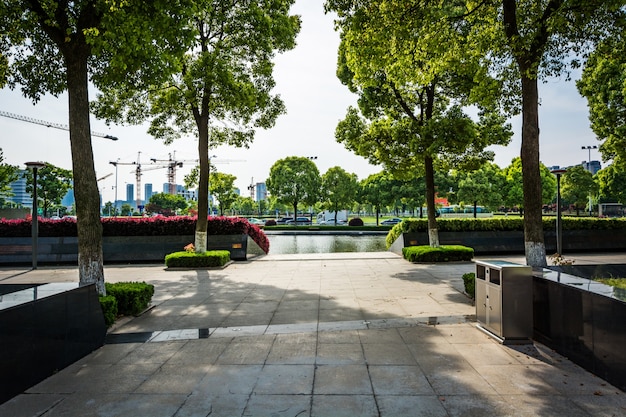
column 287, row 244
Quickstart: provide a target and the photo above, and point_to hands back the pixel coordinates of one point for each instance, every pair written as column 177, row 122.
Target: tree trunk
column 533, row 225
column 85, row 184
column 203, row 182
column 429, row 172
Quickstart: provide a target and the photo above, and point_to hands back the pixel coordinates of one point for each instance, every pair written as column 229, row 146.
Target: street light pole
column 589, row 148
column 114, row 163
column 34, row 217
column 559, row 230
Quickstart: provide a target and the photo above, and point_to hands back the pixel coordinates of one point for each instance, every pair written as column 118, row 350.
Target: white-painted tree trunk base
column 200, row 242
column 433, row 238
column 535, row 254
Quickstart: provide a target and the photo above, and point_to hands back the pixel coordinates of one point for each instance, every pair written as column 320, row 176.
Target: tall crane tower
column 172, row 164
column 50, row 124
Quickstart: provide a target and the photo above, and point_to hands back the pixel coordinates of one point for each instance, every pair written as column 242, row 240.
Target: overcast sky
column 315, row 102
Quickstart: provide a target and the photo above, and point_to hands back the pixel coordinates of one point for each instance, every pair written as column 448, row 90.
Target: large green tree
column 603, row 83
column 222, row 90
column 8, row 174
column 412, row 94
column 166, row 204
column 339, row 189
column 222, row 188
column 612, row 182
column 53, row 183
column 57, row 46
column 484, row 186
column 514, row 192
column 578, row 186
column 376, row 190
column 294, row 180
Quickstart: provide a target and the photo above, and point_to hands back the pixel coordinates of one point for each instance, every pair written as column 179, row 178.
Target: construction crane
column 138, row 172
column 49, row 124
column 105, row 177
column 172, row 164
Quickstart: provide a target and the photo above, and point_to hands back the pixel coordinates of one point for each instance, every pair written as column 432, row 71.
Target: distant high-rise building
column 68, row 200
column 147, row 192
column 130, row 191
column 261, row 192
column 18, row 188
column 592, row 166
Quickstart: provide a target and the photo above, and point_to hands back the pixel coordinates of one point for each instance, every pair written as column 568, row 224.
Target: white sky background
column 315, row 101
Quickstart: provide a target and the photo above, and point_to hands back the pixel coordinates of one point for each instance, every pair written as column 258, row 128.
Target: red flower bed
column 146, row 226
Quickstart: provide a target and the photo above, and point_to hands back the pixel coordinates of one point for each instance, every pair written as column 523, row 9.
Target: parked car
column 392, row 221
column 283, row 220
column 254, row 220
column 299, row 220
column 331, row 222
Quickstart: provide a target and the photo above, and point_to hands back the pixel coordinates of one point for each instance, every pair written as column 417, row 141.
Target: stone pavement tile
column 340, row 354
column 136, row 405
column 203, row 404
column 239, row 319
column 486, row 354
column 463, row 333
column 608, row 404
column 516, row 379
column 247, row 351
column 265, row 306
column 28, row 405
column 575, row 380
column 388, row 354
column 278, row 405
column 335, row 326
column 551, row 405
column 120, row 378
column 342, row 379
column 107, row 354
column 458, row 379
column 174, row 379
column 237, row 331
column 341, row 336
column 341, row 314
column 296, row 305
column 303, row 338
column 410, row 406
column 152, row 353
column 292, row 353
column 285, row 380
column 382, row 336
column 399, row 380
column 421, row 334
column 481, row 406
column 225, row 380
column 199, row 352
column 278, row 329
column 344, row 406
column 295, row 316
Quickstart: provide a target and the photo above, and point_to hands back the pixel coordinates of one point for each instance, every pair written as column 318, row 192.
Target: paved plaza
column 360, row 334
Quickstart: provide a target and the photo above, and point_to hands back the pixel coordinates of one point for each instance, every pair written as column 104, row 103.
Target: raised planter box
column 499, row 242
column 43, row 329
column 584, row 321
column 18, row 250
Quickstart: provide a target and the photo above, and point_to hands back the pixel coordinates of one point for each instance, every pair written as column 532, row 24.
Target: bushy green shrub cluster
column 469, row 281
column 444, row 253
column 109, row 309
column 214, row 258
column 132, row 297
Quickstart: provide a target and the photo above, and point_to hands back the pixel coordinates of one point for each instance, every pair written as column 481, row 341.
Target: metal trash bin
column 504, row 301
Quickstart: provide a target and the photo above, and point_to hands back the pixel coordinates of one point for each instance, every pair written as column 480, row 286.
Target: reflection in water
column 283, row 244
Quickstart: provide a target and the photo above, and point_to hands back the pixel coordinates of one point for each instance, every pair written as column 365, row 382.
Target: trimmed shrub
column 444, row 253
column 356, row 221
column 469, row 281
column 213, row 258
column 132, row 297
column 109, row 309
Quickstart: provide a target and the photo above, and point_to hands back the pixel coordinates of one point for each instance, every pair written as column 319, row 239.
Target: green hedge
column 109, row 309
column 214, row 258
column 132, row 297
column 502, row 224
column 469, row 282
column 444, row 253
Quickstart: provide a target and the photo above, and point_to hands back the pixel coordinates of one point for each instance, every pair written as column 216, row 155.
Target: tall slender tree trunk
column 429, row 172
column 200, row 240
column 533, row 225
column 86, row 192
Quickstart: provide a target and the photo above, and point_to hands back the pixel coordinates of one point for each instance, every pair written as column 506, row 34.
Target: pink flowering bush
column 146, row 226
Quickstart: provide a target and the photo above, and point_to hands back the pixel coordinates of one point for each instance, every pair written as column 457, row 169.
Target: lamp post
column 34, row 217
column 114, row 163
column 589, row 148
column 559, row 234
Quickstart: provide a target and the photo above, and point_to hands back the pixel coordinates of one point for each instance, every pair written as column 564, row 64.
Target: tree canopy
column 221, row 90
column 338, row 189
column 53, row 183
column 222, row 187
column 8, row 174
column 294, row 180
